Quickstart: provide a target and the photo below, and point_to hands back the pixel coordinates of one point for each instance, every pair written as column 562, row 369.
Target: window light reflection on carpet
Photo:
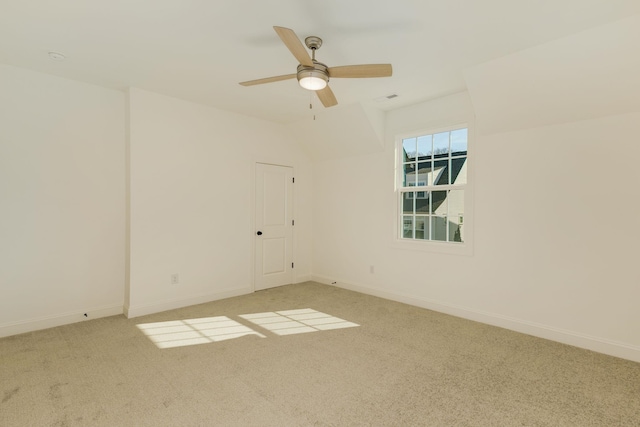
column 290, row 322
column 179, row 333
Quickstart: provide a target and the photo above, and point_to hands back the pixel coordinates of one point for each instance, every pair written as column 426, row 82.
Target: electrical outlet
column 175, row 279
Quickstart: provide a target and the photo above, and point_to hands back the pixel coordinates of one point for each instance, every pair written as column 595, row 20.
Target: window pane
column 425, row 148
column 439, row 202
column 456, row 203
column 409, row 149
column 459, row 170
column 456, row 215
column 441, row 172
column 422, row 228
column 441, row 143
column 422, row 202
column 456, row 233
column 407, row 227
column 410, row 175
column 408, row 201
column 439, row 228
column 459, row 142
column 425, row 172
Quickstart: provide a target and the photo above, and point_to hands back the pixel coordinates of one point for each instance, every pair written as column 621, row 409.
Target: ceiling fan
column 314, row 75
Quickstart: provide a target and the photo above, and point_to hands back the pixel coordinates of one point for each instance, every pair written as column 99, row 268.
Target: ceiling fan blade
column 361, row 71
column 268, row 80
column 327, row 97
column 293, row 43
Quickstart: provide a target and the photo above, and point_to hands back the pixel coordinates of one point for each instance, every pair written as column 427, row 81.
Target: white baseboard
column 46, row 322
column 597, row 344
column 156, row 307
column 303, row 278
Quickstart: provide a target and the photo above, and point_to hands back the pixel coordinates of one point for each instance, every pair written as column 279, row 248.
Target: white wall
column 191, row 200
column 343, row 130
column 62, row 201
column 565, row 196
column 553, row 241
column 582, row 76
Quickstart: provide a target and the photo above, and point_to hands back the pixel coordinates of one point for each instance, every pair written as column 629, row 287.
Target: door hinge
column 293, row 180
column 293, row 222
column 291, row 265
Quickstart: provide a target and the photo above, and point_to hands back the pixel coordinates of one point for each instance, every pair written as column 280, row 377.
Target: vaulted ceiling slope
column 589, row 74
column 199, row 50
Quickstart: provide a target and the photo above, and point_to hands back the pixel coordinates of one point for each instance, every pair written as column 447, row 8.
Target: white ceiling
column 199, row 50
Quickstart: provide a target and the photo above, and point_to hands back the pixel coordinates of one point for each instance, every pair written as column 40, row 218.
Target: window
column 431, row 184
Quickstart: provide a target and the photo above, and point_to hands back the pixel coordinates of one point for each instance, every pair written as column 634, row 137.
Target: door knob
column 259, row 233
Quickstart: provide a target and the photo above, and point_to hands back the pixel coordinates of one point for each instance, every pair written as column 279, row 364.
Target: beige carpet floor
column 402, row 366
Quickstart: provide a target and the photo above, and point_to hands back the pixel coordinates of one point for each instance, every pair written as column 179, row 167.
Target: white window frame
column 456, row 248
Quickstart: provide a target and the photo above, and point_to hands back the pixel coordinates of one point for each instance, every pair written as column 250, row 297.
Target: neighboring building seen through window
column 432, row 185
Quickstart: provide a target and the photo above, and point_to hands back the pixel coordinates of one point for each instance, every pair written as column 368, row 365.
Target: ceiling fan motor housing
column 317, row 71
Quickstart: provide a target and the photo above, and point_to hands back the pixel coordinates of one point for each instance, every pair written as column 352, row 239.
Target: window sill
column 464, row 249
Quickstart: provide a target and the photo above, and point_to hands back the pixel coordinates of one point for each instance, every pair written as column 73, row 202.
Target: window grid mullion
column 446, row 220
column 429, row 214
column 415, row 218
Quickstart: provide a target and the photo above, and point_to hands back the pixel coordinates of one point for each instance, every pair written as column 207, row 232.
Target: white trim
column 564, row 336
column 46, row 322
column 156, row 307
column 450, row 248
column 302, row 278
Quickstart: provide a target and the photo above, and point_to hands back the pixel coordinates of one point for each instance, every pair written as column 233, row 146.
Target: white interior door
column 274, row 226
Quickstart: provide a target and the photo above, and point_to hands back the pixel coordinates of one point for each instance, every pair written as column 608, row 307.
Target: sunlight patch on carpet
column 180, row 333
column 300, row 321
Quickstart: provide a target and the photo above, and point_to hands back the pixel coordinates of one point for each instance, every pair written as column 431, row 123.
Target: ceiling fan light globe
column 313, row 83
